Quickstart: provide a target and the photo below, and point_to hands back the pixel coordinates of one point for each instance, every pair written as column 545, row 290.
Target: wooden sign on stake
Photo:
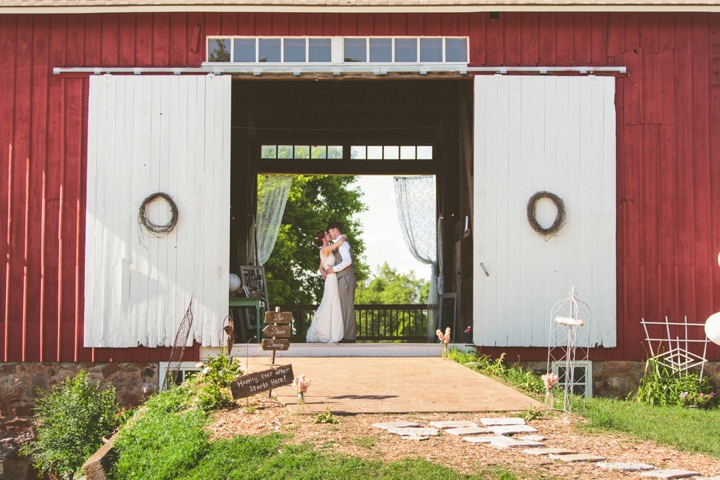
column 279, row 331
column 275, row 344
column 279, row 318
column 258, row 382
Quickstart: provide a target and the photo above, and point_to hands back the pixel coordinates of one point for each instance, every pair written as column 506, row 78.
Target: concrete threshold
column 323, row 350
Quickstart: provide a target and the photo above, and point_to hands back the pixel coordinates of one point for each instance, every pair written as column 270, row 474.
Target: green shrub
column 212, row 383
column 71, row 421
column 661, row 387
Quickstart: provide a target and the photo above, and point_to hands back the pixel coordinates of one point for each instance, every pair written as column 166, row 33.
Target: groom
column 347, row 281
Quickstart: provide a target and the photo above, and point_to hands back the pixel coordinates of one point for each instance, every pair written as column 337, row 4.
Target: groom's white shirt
column 344, row 250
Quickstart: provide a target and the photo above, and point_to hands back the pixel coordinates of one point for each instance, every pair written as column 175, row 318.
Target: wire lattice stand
column 569, row 345
column 677, row 356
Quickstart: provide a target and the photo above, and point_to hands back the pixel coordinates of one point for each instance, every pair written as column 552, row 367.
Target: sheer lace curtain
column 415, row 201
column 272, row 198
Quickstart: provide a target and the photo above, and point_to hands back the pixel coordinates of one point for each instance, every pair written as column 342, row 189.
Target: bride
column 327, row 323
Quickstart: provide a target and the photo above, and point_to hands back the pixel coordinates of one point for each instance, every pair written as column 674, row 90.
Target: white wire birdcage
column 569, row 345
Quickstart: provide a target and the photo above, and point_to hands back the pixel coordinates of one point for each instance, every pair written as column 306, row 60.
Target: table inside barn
column 243, row 323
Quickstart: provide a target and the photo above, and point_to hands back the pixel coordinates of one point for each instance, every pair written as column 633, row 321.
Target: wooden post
column 278, row 328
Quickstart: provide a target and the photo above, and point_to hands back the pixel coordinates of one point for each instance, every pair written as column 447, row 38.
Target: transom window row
column 359, row 152
column 337, row 50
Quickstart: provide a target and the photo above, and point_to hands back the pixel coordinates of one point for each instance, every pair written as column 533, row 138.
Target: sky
column 383, row 239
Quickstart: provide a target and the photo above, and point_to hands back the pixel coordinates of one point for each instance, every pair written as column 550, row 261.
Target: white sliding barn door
column 149, row 134
column 532, row 134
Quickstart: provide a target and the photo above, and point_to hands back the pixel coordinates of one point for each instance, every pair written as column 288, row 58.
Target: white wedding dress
column 327, row 324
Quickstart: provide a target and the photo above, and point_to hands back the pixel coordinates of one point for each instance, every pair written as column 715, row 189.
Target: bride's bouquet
column 445, row 339
column 301, row 385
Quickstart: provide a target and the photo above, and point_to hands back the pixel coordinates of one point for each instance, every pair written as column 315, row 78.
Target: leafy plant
column 702, row 400
column 326, row 417
column 212, row 383
column 531, row 413
column 71, row 421
column 659, row 386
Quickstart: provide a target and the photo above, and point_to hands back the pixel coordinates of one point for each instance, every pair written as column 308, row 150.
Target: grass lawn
column 687, row 429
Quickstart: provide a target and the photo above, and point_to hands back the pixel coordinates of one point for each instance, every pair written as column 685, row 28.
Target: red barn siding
column 668, row 117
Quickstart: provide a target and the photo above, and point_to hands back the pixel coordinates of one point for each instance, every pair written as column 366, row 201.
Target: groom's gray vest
column 350, row 269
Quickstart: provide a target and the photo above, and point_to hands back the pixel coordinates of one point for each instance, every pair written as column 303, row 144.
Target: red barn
column 611, row 106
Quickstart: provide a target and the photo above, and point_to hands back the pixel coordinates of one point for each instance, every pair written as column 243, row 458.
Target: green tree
column 313, row 201
column 220, row 53
column 388, row 286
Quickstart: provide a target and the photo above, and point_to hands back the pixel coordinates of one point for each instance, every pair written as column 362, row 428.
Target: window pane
column 406, row 49
column 355, row 50
column 335, row 151
column 357, row 153
column 302, row 151
column 431, row 49
column 381, row 50
column 392, row 153
column 318, row 151
column 456, row 50
column 320, row 50
column 244, row 50
column 285, row 151
column 219, row 50
column 375, row 153
column 407, row 153
column 424, row 153
column 269, row 50
column 268, row 151
column 294, row 50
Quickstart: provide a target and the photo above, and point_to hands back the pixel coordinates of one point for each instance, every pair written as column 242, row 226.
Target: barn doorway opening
column 336, row 131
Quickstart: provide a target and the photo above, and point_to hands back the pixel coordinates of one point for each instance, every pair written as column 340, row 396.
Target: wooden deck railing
column 375, row 323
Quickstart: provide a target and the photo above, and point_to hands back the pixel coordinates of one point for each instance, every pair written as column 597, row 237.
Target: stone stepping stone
column 549, row 451
column 578, row 457
column 626, row 467
column 485, row 439
column 671, row 473
column 512, row 429
column 453, row 424
column 533, row 438
column 422, row 432
column 512, row 443
column 417, row 438
column 468, row 431
column 491, row 422
column 398, row 424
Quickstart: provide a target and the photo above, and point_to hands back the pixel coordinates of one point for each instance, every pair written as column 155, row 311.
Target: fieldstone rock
column 549, row 451
column 468, row 431
column 485, row 439
column 533, row 438
column 578, row 457
column 403, row 431
column 512, row 443
column 491, row 422
column 417, row 438
column 626, row 467
column 453, row 424
column 671, row 473
column 397, row 424
column 512, row 429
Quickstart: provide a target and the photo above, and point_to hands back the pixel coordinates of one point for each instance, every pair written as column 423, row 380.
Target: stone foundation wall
column 618, row 379
column 20, row 381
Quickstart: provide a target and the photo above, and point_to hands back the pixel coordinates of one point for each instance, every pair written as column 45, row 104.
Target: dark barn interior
column 364, row 111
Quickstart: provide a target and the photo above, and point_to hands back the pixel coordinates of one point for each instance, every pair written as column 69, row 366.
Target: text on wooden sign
column 258, row 382
column 281, row 331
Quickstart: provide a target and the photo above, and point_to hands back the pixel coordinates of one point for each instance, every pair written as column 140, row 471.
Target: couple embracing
column 334, row 320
